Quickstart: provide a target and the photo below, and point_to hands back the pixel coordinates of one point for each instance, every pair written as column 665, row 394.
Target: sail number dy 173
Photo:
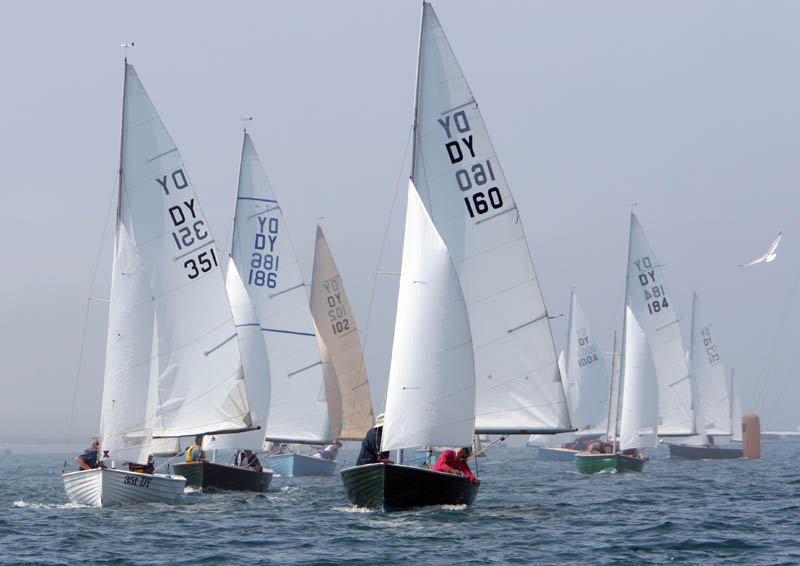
column 477, row 177
column 654, row 295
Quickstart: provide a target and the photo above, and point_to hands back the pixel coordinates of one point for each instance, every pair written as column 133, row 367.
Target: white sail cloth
column 182, row 332
column 650, row 302
column 462, row 186
column 268, row 268
column 430, row 398
column 587, row 379
column 639, row 414
column 339, row 340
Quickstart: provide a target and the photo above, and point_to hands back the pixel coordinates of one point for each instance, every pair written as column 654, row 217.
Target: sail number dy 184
column 190, row 228
column 476, row 180
column 654, row 295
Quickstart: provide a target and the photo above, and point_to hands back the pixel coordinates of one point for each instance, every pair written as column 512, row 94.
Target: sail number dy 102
column 190, row 229
column 337, row 311
column 477, row 177
column 654, row 295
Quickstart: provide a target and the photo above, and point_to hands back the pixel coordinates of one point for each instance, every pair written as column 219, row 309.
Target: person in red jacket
column 454, row 462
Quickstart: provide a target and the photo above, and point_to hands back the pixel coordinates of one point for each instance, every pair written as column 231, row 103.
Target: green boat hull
column 615, row 463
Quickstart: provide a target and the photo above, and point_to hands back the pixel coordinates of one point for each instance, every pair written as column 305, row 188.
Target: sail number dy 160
column 654, row 295
column 479, row 175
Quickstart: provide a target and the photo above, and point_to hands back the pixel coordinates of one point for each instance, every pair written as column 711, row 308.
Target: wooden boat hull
column 687, row 452
column 292, row 465
column 615, row 463
column 561, row 454
column 210, row 475
column 393, row 487
column 106, row 487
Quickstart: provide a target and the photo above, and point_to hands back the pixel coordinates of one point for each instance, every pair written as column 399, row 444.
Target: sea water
column 743, row 512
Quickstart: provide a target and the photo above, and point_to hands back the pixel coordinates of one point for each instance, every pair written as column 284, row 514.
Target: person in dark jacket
column 371, row 445
column 88, row 459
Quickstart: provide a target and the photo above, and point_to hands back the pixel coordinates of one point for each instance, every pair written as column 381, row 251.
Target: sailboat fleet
column 254, row 360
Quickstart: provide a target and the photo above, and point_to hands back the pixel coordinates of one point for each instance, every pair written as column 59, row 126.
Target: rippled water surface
column 743, row 512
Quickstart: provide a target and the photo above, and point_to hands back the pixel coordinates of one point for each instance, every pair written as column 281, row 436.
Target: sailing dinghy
column 458, row 180
column 712, row 398
column 173, row 366
column 430, row 398
column 650, row 399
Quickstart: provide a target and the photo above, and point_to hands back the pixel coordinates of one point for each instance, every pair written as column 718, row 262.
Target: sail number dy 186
column 190, row 228
column 478, row 177
column 263, row 259
column 654, row 295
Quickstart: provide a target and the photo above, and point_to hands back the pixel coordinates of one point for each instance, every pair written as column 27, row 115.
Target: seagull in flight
column 770, row 255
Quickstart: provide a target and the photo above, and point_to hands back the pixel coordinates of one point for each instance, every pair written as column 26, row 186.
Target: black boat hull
column 687, row 452
column 393, row 487
column 211, row 475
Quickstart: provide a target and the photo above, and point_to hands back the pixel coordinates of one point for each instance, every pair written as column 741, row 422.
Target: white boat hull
column 105, row 487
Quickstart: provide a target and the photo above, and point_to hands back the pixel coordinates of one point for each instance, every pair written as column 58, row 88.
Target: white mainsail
column 170, row 319
column 255, row 363
column 339, row 340
column 460, row 181
column 430, row 397
column 639, row 412
column 587, row 379
column 268, row 268
column 652, row 306
column 706, row 365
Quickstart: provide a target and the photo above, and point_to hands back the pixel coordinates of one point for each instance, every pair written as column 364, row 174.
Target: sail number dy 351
column 190, row 236
column 475, row 176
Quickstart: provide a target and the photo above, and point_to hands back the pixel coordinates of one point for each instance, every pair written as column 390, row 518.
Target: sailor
column 454, row 462
column 371, row 445
column 88, row 459
column 148, row 468
column 246, row 459
column 195, row 452
column 329, row 452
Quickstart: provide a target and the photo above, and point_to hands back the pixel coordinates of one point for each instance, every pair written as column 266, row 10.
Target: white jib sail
column 462, row 185
column 430, row 397
column 196, row 356
column 336, row 328
column 652, row 305
column 255, row 363
column 268, row 267
column 639, row 413
column 124, row 430
column 706, row 364
column 587, row 375
column 612, row 430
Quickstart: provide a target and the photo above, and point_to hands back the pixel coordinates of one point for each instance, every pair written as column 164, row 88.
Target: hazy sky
column 688, row 109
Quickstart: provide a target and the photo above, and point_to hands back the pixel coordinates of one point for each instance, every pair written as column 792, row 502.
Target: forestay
column 639, row 412
column 587, row 379
column 462, row 186
column 268, row 268
column 706, row 365
column 337, row 332
column 430, row 397
column 195, row 354
column 652, row 305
